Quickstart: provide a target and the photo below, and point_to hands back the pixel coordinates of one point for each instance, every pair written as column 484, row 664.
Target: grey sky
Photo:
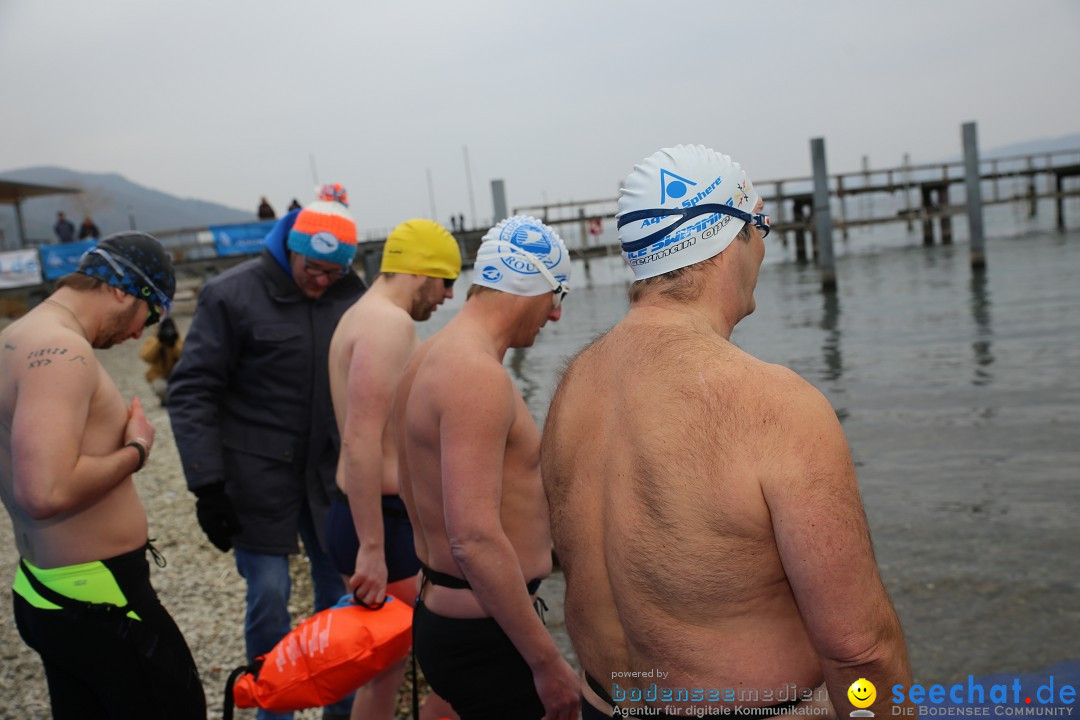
column 225, row 100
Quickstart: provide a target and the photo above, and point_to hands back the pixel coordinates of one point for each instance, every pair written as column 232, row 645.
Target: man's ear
column 120, row 295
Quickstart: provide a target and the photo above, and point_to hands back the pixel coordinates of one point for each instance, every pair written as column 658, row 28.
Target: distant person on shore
column 469, row 472
column 266, row 212
column 370, row 347
column 161, row 352
column 69, row 446
column 461, row 223
column 64, row 228
column 704, row 504
column 252, row 415
column 294, row 205
column 88, row 230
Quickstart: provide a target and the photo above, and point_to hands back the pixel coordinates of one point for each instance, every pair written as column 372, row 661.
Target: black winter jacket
column 250, row 400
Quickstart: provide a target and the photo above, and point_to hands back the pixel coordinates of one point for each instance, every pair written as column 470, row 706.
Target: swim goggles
column 559, row 289
column 758, row 220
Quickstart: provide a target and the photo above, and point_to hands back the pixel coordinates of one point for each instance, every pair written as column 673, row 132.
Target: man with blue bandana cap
column 704, row 503
column 469, row 474
column 69, row 447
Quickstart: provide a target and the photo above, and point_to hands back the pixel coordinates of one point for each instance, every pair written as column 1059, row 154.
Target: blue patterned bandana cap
column 135, row 263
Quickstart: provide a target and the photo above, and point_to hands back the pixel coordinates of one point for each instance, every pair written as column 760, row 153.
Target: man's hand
column 216, row 515
column 559, row 688
column 138, row 428
column 368, row 583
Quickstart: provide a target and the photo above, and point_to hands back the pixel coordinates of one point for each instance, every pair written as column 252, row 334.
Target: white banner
column 19, row 268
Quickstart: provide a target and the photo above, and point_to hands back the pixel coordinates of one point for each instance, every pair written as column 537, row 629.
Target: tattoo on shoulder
column 80, row 358
column 43, row 357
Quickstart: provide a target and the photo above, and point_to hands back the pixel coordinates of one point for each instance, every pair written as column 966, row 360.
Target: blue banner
column 59, row 260
column 243, row 239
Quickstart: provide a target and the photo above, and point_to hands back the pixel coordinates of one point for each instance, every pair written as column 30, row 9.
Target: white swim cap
column 512, row 252
column 683, row 205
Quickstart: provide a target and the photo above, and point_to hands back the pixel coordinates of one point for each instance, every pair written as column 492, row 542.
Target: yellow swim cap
column 421, row 247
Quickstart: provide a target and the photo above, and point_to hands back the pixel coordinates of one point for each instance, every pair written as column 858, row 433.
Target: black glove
column 216, row 515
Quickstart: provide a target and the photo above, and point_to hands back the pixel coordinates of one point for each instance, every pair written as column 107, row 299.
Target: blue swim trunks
column 342, row 544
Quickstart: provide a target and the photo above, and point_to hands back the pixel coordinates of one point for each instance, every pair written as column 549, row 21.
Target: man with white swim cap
column 469, row 470
column 369, row 536
column 704, row 503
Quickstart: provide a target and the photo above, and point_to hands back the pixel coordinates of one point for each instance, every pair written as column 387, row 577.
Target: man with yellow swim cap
column 704, row 503
column 371, row 345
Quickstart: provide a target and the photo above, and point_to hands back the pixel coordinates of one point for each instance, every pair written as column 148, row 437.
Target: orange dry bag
column 324, row 658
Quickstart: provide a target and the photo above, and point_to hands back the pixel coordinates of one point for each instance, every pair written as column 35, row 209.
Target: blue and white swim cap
column 509, row 253
column 680, row 179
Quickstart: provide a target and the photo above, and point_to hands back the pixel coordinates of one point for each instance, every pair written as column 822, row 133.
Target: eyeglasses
column 758, row 220
column 157, row 302
column 331, row 274
column 559, row 289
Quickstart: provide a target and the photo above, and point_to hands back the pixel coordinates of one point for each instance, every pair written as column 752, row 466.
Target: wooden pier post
column 779, row 211
column 1033, row 198
column 943, row 201
column 1059, row 183
column 926, row 192
column 800, row 205
column 974, row 195
column 822, row 218
column 907, row 190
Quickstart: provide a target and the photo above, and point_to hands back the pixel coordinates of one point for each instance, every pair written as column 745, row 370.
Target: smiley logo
column 862, row 693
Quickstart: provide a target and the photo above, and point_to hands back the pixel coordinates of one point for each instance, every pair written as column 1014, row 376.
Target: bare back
column 656, row 447
column 371, row 344
column 460, row 477
column 57, row 400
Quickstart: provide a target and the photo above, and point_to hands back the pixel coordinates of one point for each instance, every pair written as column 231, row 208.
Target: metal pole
column 974, row 196
column 20, row 240
column 468, row 181
column 822, row 219
column 498, row 200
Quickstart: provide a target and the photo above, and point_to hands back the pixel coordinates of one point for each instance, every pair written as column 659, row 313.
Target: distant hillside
column 106, row 198
column 1029, row 147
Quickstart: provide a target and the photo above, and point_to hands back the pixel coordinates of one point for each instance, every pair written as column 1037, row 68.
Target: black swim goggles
column 559, row 289
column 758, row 220
column 157, row 302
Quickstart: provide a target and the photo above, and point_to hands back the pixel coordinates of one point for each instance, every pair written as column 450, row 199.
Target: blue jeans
column 268, row 587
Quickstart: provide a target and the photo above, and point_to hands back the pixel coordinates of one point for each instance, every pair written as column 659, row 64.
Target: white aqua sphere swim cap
column 522, row 256
column 681, row 206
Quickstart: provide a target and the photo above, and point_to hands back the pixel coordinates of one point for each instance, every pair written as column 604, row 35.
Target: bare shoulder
column 47, row 346
column 378, row 328
column 464, row 378
column 373, row 316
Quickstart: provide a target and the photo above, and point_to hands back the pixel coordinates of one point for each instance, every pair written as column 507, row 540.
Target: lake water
column 959, row 393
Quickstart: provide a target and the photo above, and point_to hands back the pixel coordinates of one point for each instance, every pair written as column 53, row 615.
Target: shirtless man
column 704, row 503
column 370, row 347
column 470, row 477
column 68, row 449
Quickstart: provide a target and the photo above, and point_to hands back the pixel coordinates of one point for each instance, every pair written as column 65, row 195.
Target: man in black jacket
column 251, row 411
